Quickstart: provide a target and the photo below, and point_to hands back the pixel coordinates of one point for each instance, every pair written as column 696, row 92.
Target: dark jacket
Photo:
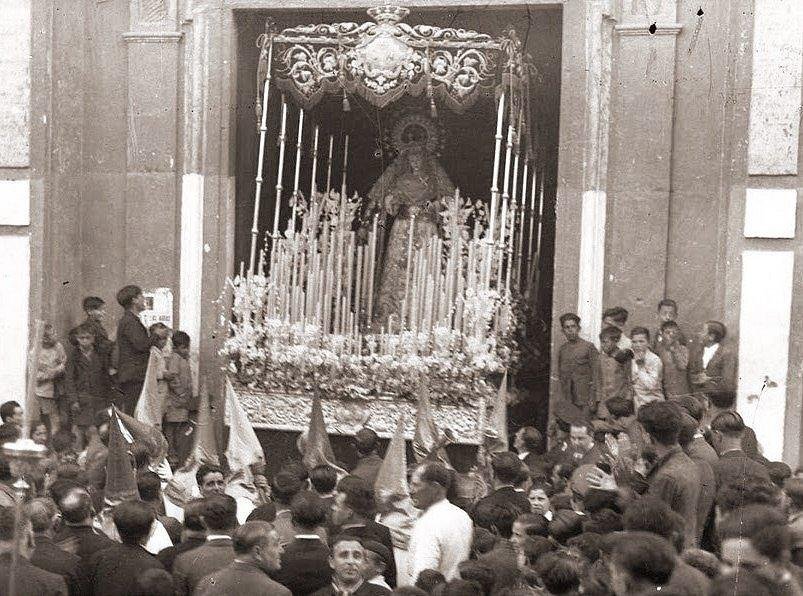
column 103, row 345
column 190, row 567
column 133, row 349
column 721, row 369
column 734, row 466
column 305, row 566
column 368, row 468
column 86, row 539
column 506, row 496
column 30, row 579
column 577, row 369
column 169, row 555
column 87, row 383
column 676, row 481
column 115, row 570
column 48, row 556
column 243, row 579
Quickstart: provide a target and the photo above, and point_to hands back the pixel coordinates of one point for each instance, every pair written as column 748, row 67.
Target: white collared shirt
column 217, row 537
column 440, row 540
column 708, row 353
column 523, row 454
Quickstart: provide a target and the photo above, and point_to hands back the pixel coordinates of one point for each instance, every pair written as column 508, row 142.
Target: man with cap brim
column 377, row 557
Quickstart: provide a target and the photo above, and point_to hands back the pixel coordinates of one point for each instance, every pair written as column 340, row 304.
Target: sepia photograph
column 435, row 298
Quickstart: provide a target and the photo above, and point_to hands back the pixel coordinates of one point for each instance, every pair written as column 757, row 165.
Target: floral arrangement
column 282, row 340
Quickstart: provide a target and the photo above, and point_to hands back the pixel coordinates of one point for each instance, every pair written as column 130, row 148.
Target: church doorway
column 467, row 155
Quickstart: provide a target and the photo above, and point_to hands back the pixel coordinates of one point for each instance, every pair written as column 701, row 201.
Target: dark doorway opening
column 467, row 154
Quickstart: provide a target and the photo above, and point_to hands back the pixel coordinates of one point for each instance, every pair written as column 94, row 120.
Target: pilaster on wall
column 150, row 218
column 639, row 167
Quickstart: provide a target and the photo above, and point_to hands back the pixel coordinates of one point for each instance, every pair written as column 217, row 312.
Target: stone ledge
column 152, row 36
column 630, row 29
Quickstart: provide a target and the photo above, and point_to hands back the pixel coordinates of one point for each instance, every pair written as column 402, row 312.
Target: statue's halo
column 409, row 130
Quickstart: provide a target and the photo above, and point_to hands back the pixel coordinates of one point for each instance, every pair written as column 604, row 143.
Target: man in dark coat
column 577, row 368
column 258, row 551
column 193, row 534
column 115, row 570
column 29, row 579
column 220, row 518
column 734, row 464
column 506, row 469
column 133, row 347
column 346, row 562
column 305, row 561
column 46, row 554
column 77, row 529
column 712, row 365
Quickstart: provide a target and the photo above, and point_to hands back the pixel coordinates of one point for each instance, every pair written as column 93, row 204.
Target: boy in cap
column 375, row 562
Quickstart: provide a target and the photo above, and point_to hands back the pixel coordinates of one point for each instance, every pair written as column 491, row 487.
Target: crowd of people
column 650, row 483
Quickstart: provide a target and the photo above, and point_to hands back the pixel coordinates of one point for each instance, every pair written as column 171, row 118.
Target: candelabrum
column 21, row 456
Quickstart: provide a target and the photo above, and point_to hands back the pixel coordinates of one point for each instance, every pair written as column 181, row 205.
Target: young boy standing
column 577, row 367
column 180, row 398
column 675, row 358
column 86, row 379
column 50, row 368
column 613, row 375
column 95, row 310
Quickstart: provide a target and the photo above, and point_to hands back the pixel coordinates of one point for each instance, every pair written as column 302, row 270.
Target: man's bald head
column 76, row 506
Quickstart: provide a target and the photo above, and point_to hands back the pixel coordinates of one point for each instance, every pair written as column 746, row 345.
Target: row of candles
column 322, row 275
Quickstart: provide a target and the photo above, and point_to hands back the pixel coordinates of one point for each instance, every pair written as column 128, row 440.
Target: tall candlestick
column 329, row 164
column 263, row 127
column 297, row 175
column 409, row 261
column 522, row 220
column 313, row 185
column 282, row 139
column 500, row 116
column 345, row 165
column 372, row 268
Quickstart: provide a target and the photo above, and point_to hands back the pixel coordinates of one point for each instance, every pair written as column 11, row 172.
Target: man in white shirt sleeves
column 441, row 536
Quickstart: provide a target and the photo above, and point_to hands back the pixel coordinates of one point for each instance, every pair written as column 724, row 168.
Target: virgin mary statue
column 413, row 184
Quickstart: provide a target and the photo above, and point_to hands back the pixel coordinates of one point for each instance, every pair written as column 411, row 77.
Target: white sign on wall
column 158, row 307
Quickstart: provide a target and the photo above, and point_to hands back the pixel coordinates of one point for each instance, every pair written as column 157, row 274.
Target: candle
column 345, row 165
column 297, row 177
column 329, row 164
column 313, row 185
column 278, row 197
column 371, row 268
column 500, row 115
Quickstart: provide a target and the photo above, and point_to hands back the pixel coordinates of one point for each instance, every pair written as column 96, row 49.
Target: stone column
column 641, row 117
column 150, row 212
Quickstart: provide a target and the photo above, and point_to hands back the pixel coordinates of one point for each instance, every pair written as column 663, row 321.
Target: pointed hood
column 150, row 406
column 121, row 481
column 428, row 441
column 244, row 449
column 498, row 421
column 391, row 480
column 315, row 446
column 144, row 433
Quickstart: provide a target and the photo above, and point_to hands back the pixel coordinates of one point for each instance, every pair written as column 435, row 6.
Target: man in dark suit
column 529, row 444
column 366, row 442
column 353, row 513
column 305, row 560
column 506, row 467
column 193, row 534
column 219, row 516
column 133, row 347
column 712, row 366
column 734, row 464
column 115, row 570
column 29, row 579
column 76, row 530
column 46, row 555
column 149, row 486
column 323, row 479
column 258, row 552
column 346, row 561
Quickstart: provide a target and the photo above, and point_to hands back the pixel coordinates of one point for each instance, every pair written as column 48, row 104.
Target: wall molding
column 153, row 36
column 636, row 29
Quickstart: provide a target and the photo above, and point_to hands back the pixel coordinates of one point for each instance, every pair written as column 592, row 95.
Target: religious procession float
column 364, row 301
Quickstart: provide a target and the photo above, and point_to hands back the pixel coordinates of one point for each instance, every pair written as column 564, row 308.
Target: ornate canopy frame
column 386, row 59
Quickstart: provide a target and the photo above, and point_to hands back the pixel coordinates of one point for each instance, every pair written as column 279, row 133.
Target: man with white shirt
column 441, row 536
column 646, row 369
column 712, row 366
column 211, row 481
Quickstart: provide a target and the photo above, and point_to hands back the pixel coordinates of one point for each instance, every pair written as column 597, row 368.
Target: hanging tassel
column 346, row 104
column 433, row 110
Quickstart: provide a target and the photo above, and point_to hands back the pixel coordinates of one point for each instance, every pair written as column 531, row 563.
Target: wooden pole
column 297, row 176
column 260, row 161
column 500, row 116
column 279, row 187
column 522, row 219
column 505, row 198
column 313, row 185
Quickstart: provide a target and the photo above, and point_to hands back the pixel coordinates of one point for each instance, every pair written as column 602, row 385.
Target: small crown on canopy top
column 388, row 14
